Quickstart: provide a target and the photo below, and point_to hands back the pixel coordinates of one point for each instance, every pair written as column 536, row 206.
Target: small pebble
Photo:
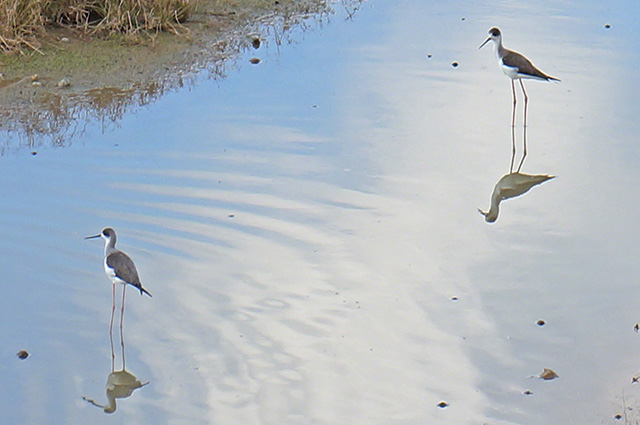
column 34, row 77
column 256, row 42
column 64, row 40
column 34, row 153
column 36, row 83
column 541, row 322
column 607, row 26
column 63, row 83
column 254, row 61
column 442, row 404
column 528, row 392
column 618, row 416
column 454, row 64
column 429, row 56
column 22, row 354
column 454, row 298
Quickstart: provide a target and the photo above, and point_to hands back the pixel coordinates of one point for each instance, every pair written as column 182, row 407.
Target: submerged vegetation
column 22, row 22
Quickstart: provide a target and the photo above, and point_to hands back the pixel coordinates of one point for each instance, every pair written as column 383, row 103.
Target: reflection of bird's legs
column 524, row 152
column 526, row 100
column 113, row 309
column 124, row 290
column 513, row 148
column 513, row 111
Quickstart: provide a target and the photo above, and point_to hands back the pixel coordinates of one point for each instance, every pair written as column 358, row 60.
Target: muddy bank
column 77, row 79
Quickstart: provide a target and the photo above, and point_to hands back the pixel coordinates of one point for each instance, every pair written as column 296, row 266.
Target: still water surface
column 309, row 230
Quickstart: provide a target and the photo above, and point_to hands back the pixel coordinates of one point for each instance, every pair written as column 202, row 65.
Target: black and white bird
column 517, row 67
column 118, row 266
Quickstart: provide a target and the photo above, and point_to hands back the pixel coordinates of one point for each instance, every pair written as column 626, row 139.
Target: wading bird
column 516, row 67
column 120, row 268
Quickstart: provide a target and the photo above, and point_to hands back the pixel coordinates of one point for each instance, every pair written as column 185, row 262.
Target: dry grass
column 21, row 21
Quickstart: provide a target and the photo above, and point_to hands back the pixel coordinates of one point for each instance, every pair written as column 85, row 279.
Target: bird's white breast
column 112, row 274
column 509, row 71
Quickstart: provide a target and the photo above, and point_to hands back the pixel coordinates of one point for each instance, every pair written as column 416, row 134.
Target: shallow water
column 308, row 228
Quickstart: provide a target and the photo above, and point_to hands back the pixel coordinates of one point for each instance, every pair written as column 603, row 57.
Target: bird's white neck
column 499, row 49
column 492, row 215
column 109, row 245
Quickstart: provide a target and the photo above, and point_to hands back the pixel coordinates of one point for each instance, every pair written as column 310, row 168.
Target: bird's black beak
column 485, row 42
column 92, row 237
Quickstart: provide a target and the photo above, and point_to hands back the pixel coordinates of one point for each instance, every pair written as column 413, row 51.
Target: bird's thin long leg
column 124, row 291
column 513, row 148
column 513, row 111
column 524, row 151
column 113, row 310
column 526, row 100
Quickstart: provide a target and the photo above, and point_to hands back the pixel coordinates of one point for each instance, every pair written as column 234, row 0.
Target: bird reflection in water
column 512, row 184
column 120, row 384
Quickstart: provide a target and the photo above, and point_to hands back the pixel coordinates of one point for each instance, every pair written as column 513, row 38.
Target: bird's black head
column 494, row 35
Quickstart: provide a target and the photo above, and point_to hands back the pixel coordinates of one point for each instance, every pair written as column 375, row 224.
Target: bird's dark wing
column 123, row 267
column 125, row 270
column 523, row 65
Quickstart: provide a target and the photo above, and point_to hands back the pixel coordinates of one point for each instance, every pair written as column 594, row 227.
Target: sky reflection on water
column 308, row 228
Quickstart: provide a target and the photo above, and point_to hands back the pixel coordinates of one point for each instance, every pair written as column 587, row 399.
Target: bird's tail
column 142, row 290
column 550, row 78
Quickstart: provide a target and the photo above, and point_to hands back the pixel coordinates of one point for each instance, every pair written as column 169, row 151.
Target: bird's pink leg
column 524, row 152
column 513, row 148
column 513, row 113
column 113, row 310
column 526, row 100
column 124, row 291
